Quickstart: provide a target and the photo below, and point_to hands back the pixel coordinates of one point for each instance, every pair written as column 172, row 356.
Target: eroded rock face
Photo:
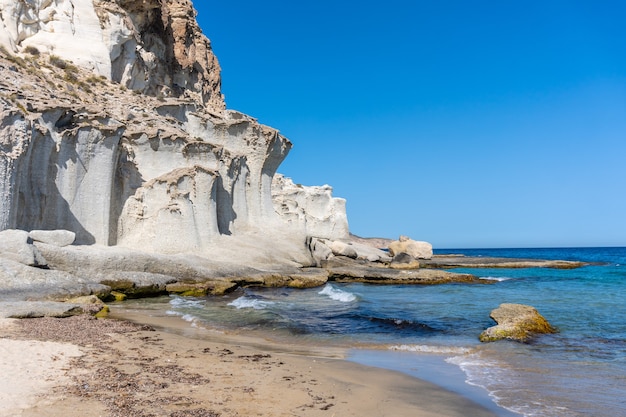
column 151, row 46
column 162, row 168
column 313, row 210
column 119, row 168
column 517, row 322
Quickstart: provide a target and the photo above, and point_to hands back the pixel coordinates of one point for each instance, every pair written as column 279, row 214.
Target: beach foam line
column 442, row 350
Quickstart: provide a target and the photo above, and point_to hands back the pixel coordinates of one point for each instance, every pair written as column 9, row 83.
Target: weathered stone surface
column 53, row 237
column 517, row 322
column 34, row 309
column 404, row 261
column 152, row 46
column 417, row 249
column 166, row 169
column 16, row 245
column 21, row 282
column 369, row 253
column 200, row 289
column 319, row 250
column 312, row 210
column 90, row 304
column 340, row 248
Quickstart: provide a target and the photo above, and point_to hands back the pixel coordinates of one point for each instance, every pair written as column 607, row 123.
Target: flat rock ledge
column 342, row 269
column 461, row 261
column 37, row 309
column 516, row 322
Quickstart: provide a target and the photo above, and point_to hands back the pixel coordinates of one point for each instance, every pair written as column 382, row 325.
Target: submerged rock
column 516, row 322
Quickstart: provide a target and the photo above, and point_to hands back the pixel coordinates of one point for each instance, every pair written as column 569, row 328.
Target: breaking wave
column 337, row 294
column 249, row 302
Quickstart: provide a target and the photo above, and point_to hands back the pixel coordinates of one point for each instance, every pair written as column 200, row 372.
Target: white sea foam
column 246, row 302
column 337, row 294
column 446, row 350
column 185, row 302
column 187, row 317
column 496, row 278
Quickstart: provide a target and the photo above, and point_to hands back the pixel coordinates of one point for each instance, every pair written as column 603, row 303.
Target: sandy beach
column 82, row 366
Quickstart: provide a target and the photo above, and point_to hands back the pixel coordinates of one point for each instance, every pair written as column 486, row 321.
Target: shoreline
column 429, row 367
column 139, row 371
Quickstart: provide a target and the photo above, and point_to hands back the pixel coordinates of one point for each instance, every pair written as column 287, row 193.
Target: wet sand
column 128, row 369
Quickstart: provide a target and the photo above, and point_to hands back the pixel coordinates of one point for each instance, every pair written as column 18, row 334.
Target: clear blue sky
column 463, row 123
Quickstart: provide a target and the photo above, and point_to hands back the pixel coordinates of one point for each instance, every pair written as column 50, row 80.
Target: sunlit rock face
column 313, row 210
column 112, row 126
column 151, row 46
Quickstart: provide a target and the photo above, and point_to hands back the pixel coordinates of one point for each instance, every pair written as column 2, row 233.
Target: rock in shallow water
column 516, row 322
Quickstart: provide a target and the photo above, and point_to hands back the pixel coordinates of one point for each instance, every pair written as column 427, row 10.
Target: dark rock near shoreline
column 517, row 322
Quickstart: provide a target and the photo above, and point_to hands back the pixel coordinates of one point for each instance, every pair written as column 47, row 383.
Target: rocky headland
column 123, row 173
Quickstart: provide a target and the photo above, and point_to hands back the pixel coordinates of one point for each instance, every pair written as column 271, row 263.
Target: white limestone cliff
column 151, row 46
column 145, row 155
column 311, row 209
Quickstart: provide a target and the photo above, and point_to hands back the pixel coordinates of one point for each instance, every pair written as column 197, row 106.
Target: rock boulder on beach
column 53, row 237
column 516, row 322
column 17, row 246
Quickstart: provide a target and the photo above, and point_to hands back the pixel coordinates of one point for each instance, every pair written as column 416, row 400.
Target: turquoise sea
column 432, row 331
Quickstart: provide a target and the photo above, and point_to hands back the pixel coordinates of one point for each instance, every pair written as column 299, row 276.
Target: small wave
column 496, row 278
column 183, row 302
column 448, row 350
column 247, row 302
column 337, row 294
column 187, row 317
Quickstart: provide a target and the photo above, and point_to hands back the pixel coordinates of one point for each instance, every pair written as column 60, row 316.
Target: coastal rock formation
column 313, row 210
column 516, row 322
column 17, row 246
column 53, row 237
column 152, row 46
column 404, row 261
column 121, row 170
column 416, row 249
column 162, row 168
column 344, row 269
column 322, row 250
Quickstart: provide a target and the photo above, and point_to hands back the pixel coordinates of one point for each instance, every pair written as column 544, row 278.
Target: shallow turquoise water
column 580, row 371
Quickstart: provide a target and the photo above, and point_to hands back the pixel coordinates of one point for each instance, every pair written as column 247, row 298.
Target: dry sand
column 130, row 370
